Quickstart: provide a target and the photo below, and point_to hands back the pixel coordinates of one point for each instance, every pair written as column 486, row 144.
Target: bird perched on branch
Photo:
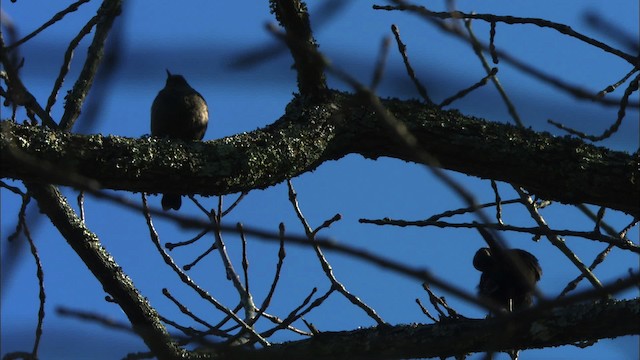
column 508, row 275
column 178, row 112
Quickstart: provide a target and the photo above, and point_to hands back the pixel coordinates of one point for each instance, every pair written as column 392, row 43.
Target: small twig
column 425, row 311
column 613, row 30
column 380, row 63
column 185, row 279
column 624, row 102
column 327, row 223
column 208, row 213
column 492, row 45
column 276, row 320
column 66, row 64
column 81, row 205
column 611, row 88
column 171, row 246
column 93, row 317
column 226, row 319
column 41, row 293
column 326, row 267
column 623, row 233
column 434, row 300
column 311, row 327
column 57, row 17
column 190, row 265
column 440, row 301
column 494, row 186
column 232, row 274
column 477, row 49
column 21, row 213
column 622, row 243
column 18, row 95
column 402, row 48
column 276, row 277
column 235, row 203
column 245, row 260
column 298, row 313
column 525, row 68
column 462, row 93
column 183, row 309
column 561, row 28
column 555, row 239
column 598, row 219
column 597, row 261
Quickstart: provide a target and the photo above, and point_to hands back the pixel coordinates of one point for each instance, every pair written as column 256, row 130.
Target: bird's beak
column 168, row 73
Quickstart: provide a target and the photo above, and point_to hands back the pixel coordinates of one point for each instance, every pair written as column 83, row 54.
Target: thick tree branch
column 556, row 168
column 294, row 17
column 143, row 317
column 107, row 13
column 568, row 325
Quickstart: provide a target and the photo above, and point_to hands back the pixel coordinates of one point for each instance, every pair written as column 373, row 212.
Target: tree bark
column 563, row 169
column 577, row 323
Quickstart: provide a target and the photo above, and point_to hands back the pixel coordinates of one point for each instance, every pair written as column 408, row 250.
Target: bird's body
column 507, row 282
column 178, row 112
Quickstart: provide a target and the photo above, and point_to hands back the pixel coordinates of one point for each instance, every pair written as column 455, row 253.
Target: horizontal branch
column 556, row 168
column 568, row 325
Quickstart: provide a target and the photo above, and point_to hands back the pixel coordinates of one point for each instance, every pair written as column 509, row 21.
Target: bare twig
column 245, row 295
column 620, row 242
column 556, row 240
column 66, row 64
column 425, row 311
column 490, row 18
column 81, row 205
column 624, row 102
column 435, row 18
column 464, row 92
column 402, row 48
column 276, row 277
column 57, row 17
column 185, row 310
column 380, row 63
column 498, row 203
column 41, row 293
column 93, row 317
column 297, row 313
column 325, row 264
column 477, row 49
column 185, row 279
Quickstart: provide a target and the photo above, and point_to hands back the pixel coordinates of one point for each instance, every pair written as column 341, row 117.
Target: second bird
column 178, row 112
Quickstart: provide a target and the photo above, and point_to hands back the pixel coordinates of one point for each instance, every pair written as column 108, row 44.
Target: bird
column 178, row 112
column 500, row 281
column 508, row 275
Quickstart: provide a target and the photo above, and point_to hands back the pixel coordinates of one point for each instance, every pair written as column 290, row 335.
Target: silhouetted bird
column 178, row 112
column 500, row 280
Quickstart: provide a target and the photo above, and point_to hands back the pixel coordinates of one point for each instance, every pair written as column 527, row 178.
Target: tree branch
column 567, row 325
column 294, row 17
column 555, row 168
column 86, row 244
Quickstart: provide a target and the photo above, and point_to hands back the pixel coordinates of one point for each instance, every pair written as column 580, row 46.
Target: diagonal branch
column 86, row 244
column 107, row 13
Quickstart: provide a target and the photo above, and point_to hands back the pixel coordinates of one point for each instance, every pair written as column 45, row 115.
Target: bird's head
column 175, row 80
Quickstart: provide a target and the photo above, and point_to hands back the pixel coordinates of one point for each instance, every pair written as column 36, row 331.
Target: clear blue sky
column 199, row 39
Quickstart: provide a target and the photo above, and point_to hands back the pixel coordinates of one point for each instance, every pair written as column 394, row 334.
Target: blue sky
column 199, row 40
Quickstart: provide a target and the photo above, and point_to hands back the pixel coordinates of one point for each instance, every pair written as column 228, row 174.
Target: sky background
column 200, row 40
